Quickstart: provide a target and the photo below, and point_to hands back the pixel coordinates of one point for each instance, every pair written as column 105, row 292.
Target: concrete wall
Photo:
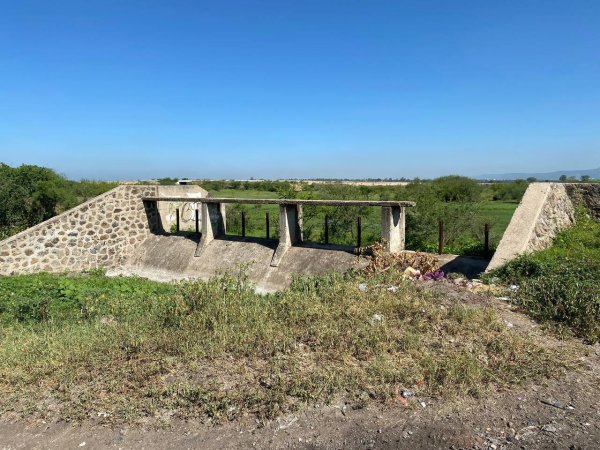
column 102, row 232
column 187, row 210
column 546, row 209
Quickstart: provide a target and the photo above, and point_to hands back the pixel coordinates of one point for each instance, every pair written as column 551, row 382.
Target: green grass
column 560, row 285
column 243, row 193
column 122, row 349
column 498, row 214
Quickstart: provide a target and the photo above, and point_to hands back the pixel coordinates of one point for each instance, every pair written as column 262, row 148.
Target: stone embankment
column 102, row 232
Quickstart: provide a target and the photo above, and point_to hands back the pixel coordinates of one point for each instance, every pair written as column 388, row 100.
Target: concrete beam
column 285, row 201
column 290, row 230
column 393, row 223
column 213, row 224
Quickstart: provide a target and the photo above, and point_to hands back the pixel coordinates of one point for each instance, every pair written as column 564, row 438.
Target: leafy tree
column 432, row 206
column 454, row 188
column 31, row 194
column 512, row 190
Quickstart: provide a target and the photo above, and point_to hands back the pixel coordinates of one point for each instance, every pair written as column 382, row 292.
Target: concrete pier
column 393, row 220
column 213, row 224
column 393, row 228
column 290, row 230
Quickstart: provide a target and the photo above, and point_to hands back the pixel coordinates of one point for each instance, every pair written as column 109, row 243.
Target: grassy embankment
column 561, row 285
column 123, row 349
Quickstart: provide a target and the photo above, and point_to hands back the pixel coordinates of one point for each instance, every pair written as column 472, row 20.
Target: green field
column 344, row 231
column 498, row 215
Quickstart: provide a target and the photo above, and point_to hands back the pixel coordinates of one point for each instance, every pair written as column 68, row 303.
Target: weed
column 126, row 348
column 560, row 285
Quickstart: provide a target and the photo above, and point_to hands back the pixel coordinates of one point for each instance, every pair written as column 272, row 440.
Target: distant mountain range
column 550, row 176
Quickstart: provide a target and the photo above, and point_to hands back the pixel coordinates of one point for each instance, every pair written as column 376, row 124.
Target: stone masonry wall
column 102, row 232
column 557, row 214
column 587, row 195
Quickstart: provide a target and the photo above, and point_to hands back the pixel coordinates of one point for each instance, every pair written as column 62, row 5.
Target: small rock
column 393, row 288
column 549, row 428
column 551, row 402
column 411, row 272
column 423, row 404
column 362, row 287
column 376, row 318
column 405, row 393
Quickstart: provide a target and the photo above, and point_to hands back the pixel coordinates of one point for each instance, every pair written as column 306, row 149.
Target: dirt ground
column 561, row 413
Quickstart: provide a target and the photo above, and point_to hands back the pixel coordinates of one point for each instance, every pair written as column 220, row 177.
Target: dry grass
column 218, row 350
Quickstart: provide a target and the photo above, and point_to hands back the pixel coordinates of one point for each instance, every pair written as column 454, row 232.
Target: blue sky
column 241, row 88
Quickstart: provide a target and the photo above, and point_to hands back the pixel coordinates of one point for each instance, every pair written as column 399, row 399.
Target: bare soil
column 561, row 413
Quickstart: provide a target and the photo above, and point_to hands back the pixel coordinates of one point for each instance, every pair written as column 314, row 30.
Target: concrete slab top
column 284, row 201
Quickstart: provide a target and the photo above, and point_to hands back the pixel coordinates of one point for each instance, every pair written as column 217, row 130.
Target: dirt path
column 561, row 413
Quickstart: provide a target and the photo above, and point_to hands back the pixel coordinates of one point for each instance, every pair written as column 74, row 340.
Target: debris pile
column 380, row 261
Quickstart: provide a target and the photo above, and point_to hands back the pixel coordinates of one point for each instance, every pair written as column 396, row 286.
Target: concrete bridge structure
column 213, row 219
column 126, row 231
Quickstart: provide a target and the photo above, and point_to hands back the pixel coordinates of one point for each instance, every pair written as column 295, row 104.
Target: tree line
column 31, row 194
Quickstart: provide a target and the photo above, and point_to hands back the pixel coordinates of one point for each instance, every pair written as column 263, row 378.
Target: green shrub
column 566, row 293
column 561, row 285
column 31, row 194
column 510, row 190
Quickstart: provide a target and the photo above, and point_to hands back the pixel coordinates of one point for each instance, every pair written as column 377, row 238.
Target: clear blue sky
column 299, row 88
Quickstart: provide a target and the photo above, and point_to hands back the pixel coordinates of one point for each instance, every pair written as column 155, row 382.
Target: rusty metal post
column 177, row 219
column 358, row 232
column 486, row 237
column 268, row 223
column 243, row 224
column 326, row 229
column 440, row 237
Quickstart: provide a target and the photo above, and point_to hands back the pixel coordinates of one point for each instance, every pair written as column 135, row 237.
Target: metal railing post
column 268, row 224
column 440, row 237
column 243, row 224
